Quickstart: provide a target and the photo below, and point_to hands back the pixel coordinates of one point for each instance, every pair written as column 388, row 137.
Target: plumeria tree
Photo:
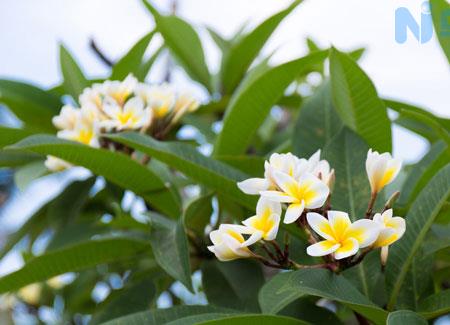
column 274, row 199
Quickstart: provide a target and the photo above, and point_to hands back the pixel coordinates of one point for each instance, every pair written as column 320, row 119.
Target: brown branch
column 373, row 198
column 94, row 47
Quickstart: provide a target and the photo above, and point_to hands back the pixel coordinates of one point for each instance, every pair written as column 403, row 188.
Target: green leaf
column 421, row 173
column 74, row 79
column 287, row 287
column 245, row 320
column 11, row 135
column 439, row 13
column 317, row 123
column 435, row 305
column 223, row 44
column 198, row 213
column 72, row 259
column 184, row 44
column 131, row 61
column 356, row 101
column 131, row 299
column 233, row 284
column 164, row 316
column 401, row 317
column 185, row 158
column 420, row 218
column 28, row 173
column 251, row 165
column 109, row 164
column 170, row 248
column 145, row 67
column 307, row 310
column 243, row 53
column 32, row 105
column 251, row 104
column 17, row 159
column 347, row 153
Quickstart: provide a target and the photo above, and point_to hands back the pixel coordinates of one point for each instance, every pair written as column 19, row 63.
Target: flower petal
column 256, row 236
column 267, row 207
column 386, row 237
column 317, row 191
column 294, row 212
column 253, row 186
column 322, row 248
column 287, row 183
column 398, row 224
column 348, row 248
column 320, row 225
column 365, row 231
column 277, row 196
column 339, row 222
column 272, row 233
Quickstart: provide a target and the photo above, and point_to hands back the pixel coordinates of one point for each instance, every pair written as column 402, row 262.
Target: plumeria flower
column 185, row 103
column 83, row 132
column 285, row 162
column 306, row 192
column 92, row 96
column 229, row 244
column 381, row 169
column 321, row 169
column 67, row 118
column 55, row 164
column 266, row 221
column 131, row 117
column 342, row 238
column 120, row 90
column 392, row 229
column 160, row 98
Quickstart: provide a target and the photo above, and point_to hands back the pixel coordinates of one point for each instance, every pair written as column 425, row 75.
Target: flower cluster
column 304, row 188
column 115, row 106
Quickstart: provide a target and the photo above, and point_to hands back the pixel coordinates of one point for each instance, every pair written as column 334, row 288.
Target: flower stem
column 369, row 211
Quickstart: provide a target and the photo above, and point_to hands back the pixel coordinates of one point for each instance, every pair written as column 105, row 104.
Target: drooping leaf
column 439, row 13
column 233, row 284
column 74, row 79
column 401, row 317
column 435, row 305
column 198, row 213
column 316, row 125
column 164, row 316
column 72, row 259
column 185, row 158
column 419, row 219
column 116, row 167
column 129, row 300
column 251, row 104
column 357, row 103
column 28, row 173
column 347, row 153
column 33, row 106
column 184, row 43
column 221, row 319
column 423, row 171
column 131, row 61
column 287, row 287
column 242, row 53
column 170, row 248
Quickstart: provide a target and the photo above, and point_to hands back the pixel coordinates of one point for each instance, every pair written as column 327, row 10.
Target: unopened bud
column 331, row 180
column 384, row 255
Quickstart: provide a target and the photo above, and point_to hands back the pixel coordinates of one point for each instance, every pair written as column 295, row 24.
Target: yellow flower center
column 387, row 177
column 302, row 192
column 236, row 235
column 264, row 222
column 85, row 136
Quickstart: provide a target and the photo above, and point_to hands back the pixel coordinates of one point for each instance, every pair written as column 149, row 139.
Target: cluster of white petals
column 299, row 184
column 114, row 106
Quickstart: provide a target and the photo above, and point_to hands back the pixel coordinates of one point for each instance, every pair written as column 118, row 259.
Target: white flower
column 320, row 168
column 120, row 90
column 31, row 293
column 266, row 221
column 55, row 164
column 381, row 169
column 392, row 228
column 160, row 98
column 131, row 117
column 185, row 103
column 92, row 96
column 306, row 192
column 285, row 162
column 342, row 238
column 228, row 242
column 83, row 132
column 67, row 118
